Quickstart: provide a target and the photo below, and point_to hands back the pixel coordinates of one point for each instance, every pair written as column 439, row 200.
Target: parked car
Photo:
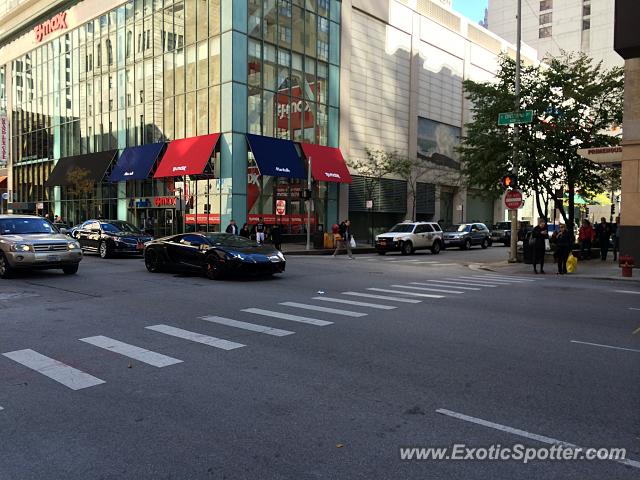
column 213, row 254
column 407, row 237
column 110, row 237
column 501, row 233
column 29, row 241
column 466, row 235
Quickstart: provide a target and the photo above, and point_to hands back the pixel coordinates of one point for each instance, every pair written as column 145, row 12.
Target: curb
column 327, row 252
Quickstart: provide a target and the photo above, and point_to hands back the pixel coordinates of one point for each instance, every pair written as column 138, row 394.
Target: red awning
column 327, row 163
column 2, row 180
column 187, row 156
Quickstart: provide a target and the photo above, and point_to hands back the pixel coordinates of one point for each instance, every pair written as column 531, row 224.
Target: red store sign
column 165, row 201
column 45, row 28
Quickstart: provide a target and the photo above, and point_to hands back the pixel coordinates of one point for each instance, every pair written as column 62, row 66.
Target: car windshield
column 403, row 228
column 458, row 228
column 21, row 226
column 229, row 240
column 503, row 226
column 117, row 227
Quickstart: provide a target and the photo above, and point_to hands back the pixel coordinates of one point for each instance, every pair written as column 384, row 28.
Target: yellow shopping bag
column 572, row 263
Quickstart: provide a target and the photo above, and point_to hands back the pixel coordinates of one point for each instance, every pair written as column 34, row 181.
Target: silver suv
column 29, row 241
column 407, row 237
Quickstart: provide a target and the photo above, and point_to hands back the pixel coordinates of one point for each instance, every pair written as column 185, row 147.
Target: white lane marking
column 606, row 346
column 632, row 308
column 276, row 332
column 334, row 311
column 410, row 260
column 286, row 316
column 492, row 280
column 141, row 354
column 195, row 337
column 382, row 297
column 474, row 283
column 1, row 407
column 446, row 264
column 508, row 277
column 356, row 303
column 425, row 295
column 522, row 433
column 68, row 376
column 426, row 289
column 436, row 283
column 627, row 291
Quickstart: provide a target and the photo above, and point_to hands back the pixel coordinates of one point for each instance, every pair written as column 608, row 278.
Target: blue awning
column 276, row 157
column 136, row 163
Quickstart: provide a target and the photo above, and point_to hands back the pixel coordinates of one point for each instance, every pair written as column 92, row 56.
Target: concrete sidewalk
column 300, row 249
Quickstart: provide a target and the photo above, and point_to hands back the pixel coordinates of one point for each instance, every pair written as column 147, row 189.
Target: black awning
column 70, row 170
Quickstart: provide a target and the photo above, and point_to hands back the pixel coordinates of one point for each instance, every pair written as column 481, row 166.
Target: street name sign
column 513, row 199
column 508, row 118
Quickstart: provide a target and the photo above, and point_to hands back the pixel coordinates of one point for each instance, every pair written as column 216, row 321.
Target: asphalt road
column 306, row 399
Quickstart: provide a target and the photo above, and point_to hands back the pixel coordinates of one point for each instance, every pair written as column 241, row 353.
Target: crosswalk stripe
column 334, row 311
column 426, row 289
column 433, row 283
column 195, row 337
column 425, row 295
column 410, row 260
column 474, row 283
column 356, row 303
column 490, row 280
column 141, row 354
column 1, row 407
column 502, row 277
column 276, row 332
column 510, row 277
column 382, row 297
column 628, row 291
column 286, row 316
column 68, row 376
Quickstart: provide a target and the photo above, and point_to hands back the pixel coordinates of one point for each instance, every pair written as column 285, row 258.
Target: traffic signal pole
column 513, row 251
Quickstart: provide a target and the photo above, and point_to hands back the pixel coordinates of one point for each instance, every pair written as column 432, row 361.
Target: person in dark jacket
column 345, row 239
column 563, row 241
column 261, row 231
column 245, row 231
column 232, row 227
column 603, row 234
column 276, row 236
column 538, row 237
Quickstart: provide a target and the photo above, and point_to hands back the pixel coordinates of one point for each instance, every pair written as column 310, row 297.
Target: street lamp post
column 309, row 204
column 513, row 251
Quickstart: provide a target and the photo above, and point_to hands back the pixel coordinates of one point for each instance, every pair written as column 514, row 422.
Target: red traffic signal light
column 510, row 181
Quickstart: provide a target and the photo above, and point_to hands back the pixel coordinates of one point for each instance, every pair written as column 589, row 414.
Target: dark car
column 111, row 237
column 466, row 235
column 214, row 254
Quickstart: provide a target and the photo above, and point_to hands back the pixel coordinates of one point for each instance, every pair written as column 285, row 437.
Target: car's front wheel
column 485, row 244
column 407, row 248
column 212, row 268
column 71, row 269
column 467, row 244
column 5, row 268
column 152, row 261
column 104, row 250
column 436, row 247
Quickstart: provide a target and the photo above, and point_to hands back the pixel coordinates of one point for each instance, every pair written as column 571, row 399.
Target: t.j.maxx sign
column 45, row 28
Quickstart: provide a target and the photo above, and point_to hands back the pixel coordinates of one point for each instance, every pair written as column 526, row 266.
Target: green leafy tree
column 576, row 103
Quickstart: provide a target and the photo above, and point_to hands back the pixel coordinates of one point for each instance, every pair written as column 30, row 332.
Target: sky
column 473, row 9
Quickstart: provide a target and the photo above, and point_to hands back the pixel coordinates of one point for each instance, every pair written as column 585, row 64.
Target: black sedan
column 110, row 237
column 214, row 254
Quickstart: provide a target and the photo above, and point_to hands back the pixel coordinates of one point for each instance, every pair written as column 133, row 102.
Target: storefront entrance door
column 159, row 222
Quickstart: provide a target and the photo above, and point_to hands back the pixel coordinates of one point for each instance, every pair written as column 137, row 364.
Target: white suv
column 407, row 237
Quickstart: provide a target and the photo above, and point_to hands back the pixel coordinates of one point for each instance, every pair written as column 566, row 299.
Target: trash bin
column 318, row 240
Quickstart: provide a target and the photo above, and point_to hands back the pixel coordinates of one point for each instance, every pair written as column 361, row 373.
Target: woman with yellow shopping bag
column 564, row 242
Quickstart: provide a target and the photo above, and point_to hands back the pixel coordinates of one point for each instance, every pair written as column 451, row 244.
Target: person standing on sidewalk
column 539, row 236
column 564, row 242
column 261, row 230
column 603, row 233
column 276, row 237
column 585, row 237
column 232, row 228
column 345, row 239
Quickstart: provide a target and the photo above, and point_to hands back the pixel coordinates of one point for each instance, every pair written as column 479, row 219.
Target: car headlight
column 397, row 239
column 21, row 247
column 73, row 245
column 278, row 257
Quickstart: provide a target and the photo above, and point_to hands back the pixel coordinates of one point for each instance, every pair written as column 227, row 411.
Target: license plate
column 53, row 258
column 140, row 246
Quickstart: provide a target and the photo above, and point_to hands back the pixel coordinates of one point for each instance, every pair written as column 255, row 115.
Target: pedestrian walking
column 564, row 242
column 344, row 240
column 603, row 234
column 538, row 241
column 615, row 238
column 245, row 231
column 232, row 228
column 260, row 229
column 586, row 235
column 276, row 236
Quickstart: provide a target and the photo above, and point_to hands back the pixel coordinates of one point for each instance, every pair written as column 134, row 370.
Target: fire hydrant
column 627, row 263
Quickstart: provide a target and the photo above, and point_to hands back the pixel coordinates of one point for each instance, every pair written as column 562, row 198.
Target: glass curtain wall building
column 152, row 71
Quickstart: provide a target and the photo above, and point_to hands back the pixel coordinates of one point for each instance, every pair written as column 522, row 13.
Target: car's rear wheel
column 5, row 268
column 152, row 261
column 104, row 250
column 212, row 268
column 407, row 248
column 485, row 244
column 70, row 270
column 382, row 253
column 436, row 247
column 467, row 244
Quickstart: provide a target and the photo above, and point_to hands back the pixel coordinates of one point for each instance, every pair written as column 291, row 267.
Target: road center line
column 605, row 346
column 522, row 433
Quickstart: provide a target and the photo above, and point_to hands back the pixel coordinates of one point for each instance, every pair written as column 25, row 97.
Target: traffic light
column 510, row 181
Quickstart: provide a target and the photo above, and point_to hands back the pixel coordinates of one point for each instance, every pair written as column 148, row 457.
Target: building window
column 586, row 24
column 544, row 32
column 546, row 5
column 545, row 18
column 586, row 10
